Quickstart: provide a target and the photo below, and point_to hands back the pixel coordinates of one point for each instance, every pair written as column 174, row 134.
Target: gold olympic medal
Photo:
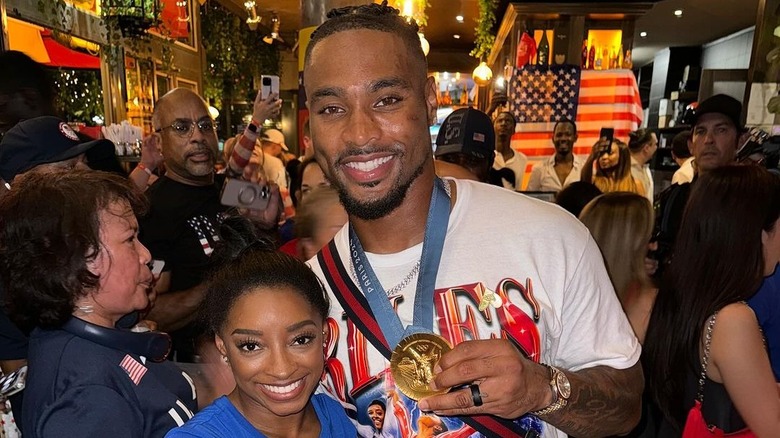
column 412, row 364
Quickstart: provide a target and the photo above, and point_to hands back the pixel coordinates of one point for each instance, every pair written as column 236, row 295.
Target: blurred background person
column 466, row 139
column 86, row 376
column 642, row 145
column 621, row 223
column 681, row 154
column 506, row 157
column 319, row 218
column 266, row 312
column 613, row 168
column 700, row 326
column 574, row 197
column 553, row 174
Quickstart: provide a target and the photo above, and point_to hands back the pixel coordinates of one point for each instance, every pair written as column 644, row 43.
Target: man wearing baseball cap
column 715, row 138
column 466, row 138
column 40, row 144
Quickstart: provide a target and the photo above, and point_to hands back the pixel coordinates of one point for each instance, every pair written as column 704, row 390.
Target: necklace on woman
column 398, row 287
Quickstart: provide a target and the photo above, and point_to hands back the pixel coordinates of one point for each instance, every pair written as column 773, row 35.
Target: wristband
column 144, row 168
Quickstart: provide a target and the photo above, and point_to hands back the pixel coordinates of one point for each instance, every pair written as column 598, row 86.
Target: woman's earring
column 225, row 359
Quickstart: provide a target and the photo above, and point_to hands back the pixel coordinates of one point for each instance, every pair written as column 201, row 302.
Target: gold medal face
column 412, row 364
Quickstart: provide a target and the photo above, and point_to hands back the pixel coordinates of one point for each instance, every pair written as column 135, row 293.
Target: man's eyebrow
column 389, row 83
column 327, row 92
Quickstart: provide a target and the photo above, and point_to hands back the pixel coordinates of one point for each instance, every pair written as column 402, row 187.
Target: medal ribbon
column 433, row 243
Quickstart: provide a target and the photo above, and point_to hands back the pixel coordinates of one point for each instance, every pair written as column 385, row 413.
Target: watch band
column 559, row 399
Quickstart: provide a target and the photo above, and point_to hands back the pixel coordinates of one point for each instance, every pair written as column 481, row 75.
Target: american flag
column 133, row 368
column 540, row 96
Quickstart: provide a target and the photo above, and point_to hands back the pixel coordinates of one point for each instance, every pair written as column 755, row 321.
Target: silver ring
column 476, row 396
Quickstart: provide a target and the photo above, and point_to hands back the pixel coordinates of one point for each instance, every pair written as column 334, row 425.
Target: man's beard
column 372, row 210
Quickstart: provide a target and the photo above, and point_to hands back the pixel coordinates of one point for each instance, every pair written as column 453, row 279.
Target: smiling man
column 371, row 104
column 563, row 167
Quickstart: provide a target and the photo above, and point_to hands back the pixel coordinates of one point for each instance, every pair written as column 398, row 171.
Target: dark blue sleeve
column 766, row 304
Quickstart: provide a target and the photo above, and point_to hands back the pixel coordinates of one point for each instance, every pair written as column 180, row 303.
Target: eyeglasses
column 185, row 127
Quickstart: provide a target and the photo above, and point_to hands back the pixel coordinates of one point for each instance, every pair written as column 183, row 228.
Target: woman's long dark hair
column 718, row 260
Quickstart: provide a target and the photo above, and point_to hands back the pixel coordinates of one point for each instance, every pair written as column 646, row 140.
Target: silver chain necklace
column 398, row 287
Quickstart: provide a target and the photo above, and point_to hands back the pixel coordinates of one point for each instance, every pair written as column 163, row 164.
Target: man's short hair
column 379, row 403
column 372, row 16
column 563, row 122
column 514, row 119
column 680, row 144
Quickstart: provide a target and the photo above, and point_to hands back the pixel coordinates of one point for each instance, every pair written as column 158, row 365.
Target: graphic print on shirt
column 380, row 409
column 206, row 232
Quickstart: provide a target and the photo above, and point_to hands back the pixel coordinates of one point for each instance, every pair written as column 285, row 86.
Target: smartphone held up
column 269, row 84
column 245, row 194
column 606, row 136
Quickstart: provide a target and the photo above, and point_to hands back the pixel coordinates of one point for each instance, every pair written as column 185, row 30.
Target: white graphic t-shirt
column 558, row 308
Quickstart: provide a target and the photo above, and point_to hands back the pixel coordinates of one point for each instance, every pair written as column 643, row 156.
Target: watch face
column 564, row 387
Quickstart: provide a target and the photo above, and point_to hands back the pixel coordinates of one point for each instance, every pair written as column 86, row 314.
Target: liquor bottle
column 605, row 58
column 543, row 56
column 592, row 56
column 620, row 58
column 627, row 62
column 584, row 54
column 599, row 61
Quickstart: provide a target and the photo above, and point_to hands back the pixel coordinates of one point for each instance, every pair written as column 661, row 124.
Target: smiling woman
column 267, row 313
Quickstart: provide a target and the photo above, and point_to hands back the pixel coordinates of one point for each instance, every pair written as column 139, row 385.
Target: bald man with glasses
column 182, row 226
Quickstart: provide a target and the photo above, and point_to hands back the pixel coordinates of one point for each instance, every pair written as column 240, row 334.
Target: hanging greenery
column 483, row 33
column 234, row 55
column 79, row 95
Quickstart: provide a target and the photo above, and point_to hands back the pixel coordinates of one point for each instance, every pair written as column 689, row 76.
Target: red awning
column 61, row 56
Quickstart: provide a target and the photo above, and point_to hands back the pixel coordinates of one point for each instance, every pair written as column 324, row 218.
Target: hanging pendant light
column 482, row 74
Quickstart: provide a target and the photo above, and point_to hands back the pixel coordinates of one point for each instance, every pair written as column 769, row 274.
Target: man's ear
column 430, row 100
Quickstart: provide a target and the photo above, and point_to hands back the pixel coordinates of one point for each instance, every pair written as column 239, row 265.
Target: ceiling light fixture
column 253, row 19
column 456, row 36
column 643, row 34
column 459, row 18
column 274, row 36
column 678, row 13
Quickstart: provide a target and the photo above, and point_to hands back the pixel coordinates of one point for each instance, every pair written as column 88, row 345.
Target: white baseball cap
column 275, row 136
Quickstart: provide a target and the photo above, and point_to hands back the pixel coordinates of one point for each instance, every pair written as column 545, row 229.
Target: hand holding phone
column 606, row 136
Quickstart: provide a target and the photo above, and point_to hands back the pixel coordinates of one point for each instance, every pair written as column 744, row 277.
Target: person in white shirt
column 681, row 153
column 642, row 144
column 506, row 157
column 267, row 153
column 563, row 167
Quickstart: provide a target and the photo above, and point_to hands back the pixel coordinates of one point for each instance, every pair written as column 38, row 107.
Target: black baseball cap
column 468, row 131
column 721, row 104
column 40, row 140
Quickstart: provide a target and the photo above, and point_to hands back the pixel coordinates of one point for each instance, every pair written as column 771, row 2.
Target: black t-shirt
column 181, row 228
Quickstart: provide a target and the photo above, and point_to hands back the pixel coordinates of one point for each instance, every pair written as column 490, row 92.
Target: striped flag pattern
column 605, row 98
column 133, row 368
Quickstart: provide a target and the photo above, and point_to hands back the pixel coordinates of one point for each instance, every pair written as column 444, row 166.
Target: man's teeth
column 283, row 389
column 368, row 166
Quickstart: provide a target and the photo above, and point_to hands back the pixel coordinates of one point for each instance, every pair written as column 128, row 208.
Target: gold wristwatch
column 561, row 389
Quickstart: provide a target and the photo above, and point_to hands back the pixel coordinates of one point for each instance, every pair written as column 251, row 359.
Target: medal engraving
column 412, row 364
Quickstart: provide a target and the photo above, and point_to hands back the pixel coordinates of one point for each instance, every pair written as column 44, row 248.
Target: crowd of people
column 153, row 305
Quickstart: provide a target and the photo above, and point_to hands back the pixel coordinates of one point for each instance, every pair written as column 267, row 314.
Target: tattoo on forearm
column 604, row 401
